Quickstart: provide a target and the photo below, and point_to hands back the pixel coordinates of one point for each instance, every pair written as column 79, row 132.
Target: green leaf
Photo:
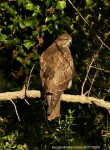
column 48, row 18
column 1, row 145
column 30, row 6
column 29, row 44
column 21, row 24
column 21, row 51
column 20, row 2
column 16, row 41
column 1, row 29
column 77, row 17
column 36, row 56
column 8, row 42
column 10, row 27
column 88, row 2
column 50, row 28
column 61, row 5
column 28, row 62
column 26, row 41
column 3, row 37
column 4, row 4
column 14, row 18
column 19, row 146
column 16, row 132
column 1, row 121
column 47, row 2
column 34, row 14
column 14, row 146
column 25, row 147
column 36, row 22
column 37, row 11
column 5, row 137
column 43, row 28
column 71, row 140
column 20, row 59
column 26, row 71
column 54, row 17
column 13, row 12
column 9, row 137
column 15, row 25
column 56, row 25
column 28, row 22
column 7, row 144
column 35, row 33
column 99, row 17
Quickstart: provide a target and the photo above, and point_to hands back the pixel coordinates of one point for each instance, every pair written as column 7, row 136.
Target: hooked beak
column 70, row 42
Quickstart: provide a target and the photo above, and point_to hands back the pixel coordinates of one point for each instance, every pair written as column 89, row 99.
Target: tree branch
column 88, row 92
column 65, row 97
column 101, row 69
column 95, row 56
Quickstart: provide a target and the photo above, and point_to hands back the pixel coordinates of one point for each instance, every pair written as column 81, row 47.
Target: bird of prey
column 57, row 71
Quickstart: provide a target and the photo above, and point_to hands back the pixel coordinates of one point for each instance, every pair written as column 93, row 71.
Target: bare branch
column 101, row 69
column 2, row 47
column 28, row 84
column 93, row 59
column 88, row 24
column 15, row 110
column 27, row 101
column 78, row 77
column 65, row 97
column 79, row 13
column 84, row 99
column 88, row 92
column 30, row 76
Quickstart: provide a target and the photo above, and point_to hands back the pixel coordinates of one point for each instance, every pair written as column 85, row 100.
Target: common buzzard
column 57, row 71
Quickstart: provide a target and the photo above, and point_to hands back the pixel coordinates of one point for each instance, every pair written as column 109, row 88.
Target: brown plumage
column 57, row 71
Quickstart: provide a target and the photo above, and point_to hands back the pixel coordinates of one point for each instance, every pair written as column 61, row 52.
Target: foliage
column 9, row 141
column 27, row 28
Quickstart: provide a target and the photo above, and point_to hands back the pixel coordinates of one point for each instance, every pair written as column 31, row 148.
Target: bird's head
column 64, row 40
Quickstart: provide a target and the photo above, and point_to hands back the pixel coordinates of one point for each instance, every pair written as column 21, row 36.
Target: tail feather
column 53, row 104
column 55, row 113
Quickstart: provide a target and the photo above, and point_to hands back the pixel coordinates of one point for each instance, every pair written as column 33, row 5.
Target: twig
column 79, row 13
column 30, row 76
column 2, row 26
column 88, row 24
column 28, row 84
column 93, row 59
column 51, row 130
column 89, row 79
column 24, row 89
column 2, row 47
column 78, row 77
column 15, row 110
column 100, row 69
column 26, row 101
column 14, row 75
column 102, row 43
column 88, row 92
column 97, row 52
column 103, row 75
